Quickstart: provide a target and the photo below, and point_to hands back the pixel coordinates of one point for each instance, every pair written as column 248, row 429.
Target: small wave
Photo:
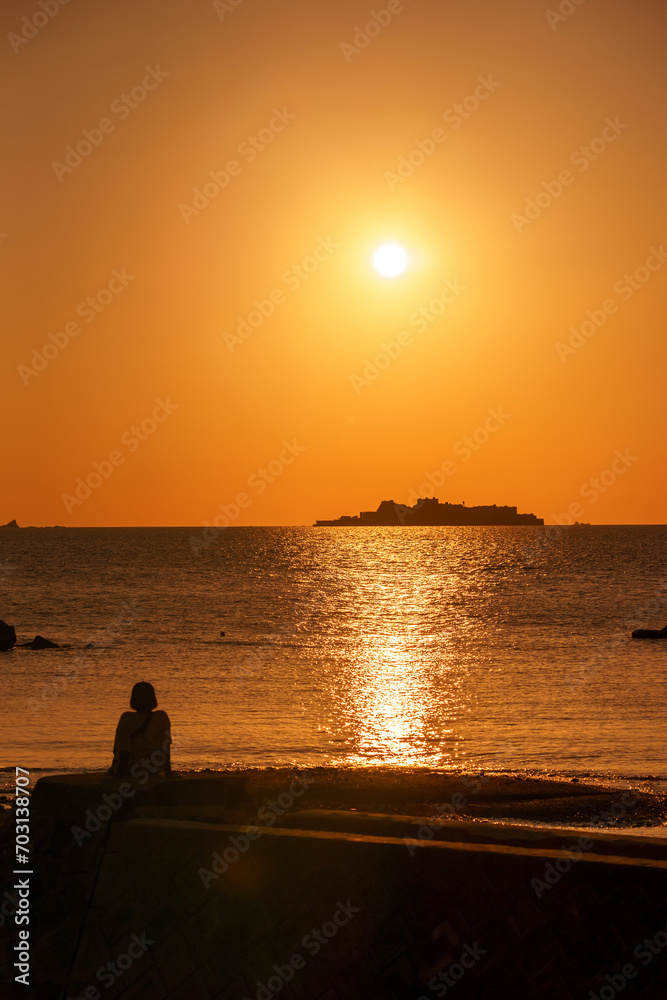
column 53, row 649
column 246, row 642
column 276, row 643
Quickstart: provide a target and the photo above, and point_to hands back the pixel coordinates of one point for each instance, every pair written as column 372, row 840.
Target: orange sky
column 309, row 126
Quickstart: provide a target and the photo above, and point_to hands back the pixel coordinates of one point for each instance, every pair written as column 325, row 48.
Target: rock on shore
column 7, row 636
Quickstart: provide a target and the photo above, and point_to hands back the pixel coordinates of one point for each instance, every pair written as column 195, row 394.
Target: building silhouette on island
column 429, row 512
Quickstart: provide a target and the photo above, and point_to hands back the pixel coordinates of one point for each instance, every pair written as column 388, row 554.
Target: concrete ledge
column 224, row 911
column 177, row 889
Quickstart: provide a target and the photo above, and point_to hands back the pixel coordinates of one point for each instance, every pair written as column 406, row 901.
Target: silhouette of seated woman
column 143, row 737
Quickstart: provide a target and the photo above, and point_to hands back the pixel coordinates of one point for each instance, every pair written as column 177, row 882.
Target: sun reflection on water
column 405, row 688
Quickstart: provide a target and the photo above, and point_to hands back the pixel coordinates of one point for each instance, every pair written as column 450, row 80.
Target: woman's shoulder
column 159, row 714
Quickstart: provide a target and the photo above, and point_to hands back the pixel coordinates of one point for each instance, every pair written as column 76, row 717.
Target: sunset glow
column 190, row 227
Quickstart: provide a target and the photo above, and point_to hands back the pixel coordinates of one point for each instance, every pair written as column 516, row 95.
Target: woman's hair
column 143, row 697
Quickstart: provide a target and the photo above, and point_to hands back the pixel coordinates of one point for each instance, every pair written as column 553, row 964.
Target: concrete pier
column 182, row 892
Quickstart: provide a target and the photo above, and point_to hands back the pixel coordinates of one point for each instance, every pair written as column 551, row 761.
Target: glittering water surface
column 507, row 648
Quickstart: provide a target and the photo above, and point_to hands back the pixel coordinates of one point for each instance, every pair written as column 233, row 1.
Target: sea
column 506, row 649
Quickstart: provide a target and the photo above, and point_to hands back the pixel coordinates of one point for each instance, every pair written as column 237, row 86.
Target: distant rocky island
column 428, row 511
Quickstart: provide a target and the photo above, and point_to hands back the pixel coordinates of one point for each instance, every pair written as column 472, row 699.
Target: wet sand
column 419, row 793
column 422, row 792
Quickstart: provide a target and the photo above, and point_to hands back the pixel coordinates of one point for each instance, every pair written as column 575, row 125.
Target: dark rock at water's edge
column 650, row 633
column 39, row 642
column 10, row 524
column 7, row 636
column 8, row 640
column 429, row 512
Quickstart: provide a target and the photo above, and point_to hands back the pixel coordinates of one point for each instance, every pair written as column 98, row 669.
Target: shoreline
column 443, row 796
column 471, row 796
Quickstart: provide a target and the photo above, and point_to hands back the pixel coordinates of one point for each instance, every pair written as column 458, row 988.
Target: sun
column 390, row 260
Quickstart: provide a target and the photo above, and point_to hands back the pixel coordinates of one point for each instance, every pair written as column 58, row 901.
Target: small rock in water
column 39, row 642
column 650, row 633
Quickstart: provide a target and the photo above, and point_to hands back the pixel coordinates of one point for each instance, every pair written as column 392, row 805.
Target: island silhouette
column 428, row 511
